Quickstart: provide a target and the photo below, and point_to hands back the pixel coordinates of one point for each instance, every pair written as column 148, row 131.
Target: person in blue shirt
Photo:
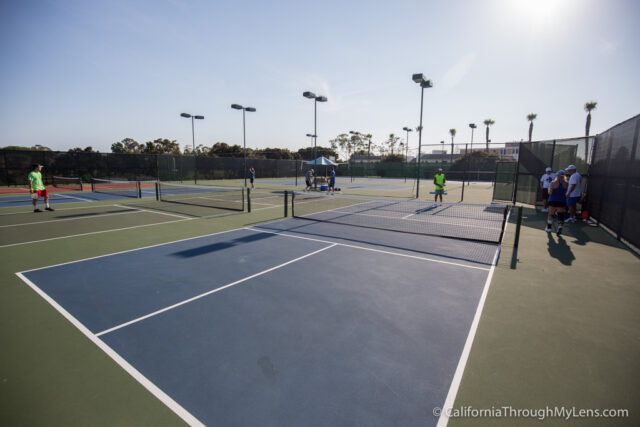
column 252, row 176
column 557, row 201
column 332, row 181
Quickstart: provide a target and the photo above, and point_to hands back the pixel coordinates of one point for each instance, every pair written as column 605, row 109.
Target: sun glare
column 542, row 14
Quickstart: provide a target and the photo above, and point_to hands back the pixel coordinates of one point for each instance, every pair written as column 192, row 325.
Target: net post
column 286, row 204
column 139, row 189
column 81, row 188
column 518, row 224
column 93, row 186
column 248, row 200
column 157, row 191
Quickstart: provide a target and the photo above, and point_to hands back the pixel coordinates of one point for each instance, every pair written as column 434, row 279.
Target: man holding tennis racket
column 36, row 188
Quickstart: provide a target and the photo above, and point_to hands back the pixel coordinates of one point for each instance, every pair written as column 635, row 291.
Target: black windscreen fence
column 535, row 157
column 614, row 180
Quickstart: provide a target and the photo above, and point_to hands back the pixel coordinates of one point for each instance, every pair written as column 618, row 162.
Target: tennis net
column 116, row 187
column 67, row 183
column 231, row 198
column 481, row 223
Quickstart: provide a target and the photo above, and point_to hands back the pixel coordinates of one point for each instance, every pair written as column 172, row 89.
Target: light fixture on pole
column 472, row 126
column 311, row 95
column 424, row 83
column 244, row 135
column 442, row 152
column 193, row 134
column 406, row 156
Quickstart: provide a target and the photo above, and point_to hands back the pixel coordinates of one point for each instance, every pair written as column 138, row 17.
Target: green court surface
column 559, row 326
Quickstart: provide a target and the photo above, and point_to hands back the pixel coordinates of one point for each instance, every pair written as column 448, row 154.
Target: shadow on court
column 203, row 250
column 560, row 250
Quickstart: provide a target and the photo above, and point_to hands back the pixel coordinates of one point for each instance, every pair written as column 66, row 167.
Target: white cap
column 440, row 170
column 548, row 169
column 571, row 167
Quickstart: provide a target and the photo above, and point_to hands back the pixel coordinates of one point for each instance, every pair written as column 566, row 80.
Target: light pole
column 419, row 78
column 244, row 135
column 442, row 152
column 472, row 126
column 193, row 134
column 406, row 156
column 311, row 95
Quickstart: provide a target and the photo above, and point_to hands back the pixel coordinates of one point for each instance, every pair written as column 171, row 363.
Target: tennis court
column 274, row 324
column 354, row 311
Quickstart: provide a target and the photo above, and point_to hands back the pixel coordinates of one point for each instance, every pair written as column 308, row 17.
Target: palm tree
column 588, row 107
column 531, row 117
column 488, row 123
column 453, row 135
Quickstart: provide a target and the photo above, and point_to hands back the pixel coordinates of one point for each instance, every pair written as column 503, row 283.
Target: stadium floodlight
column 424, row 83
column 244, row 135
column 316, row 99
column 193, row 134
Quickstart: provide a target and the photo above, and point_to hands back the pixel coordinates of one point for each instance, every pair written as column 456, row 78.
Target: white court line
column 59, row 209
column 98, row 215
column 197, row 297
column 154, row 212
column 94, row 232
column 464, row 357
column 144, row 381
column 73, row 197
column 136, row 249
column 370, row 249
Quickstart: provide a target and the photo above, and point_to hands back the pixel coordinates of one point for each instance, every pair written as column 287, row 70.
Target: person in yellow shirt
column 439, row 181
column 37, row 189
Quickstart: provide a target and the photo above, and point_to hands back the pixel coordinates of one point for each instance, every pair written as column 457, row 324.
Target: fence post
column 515, row 184
column 518, row 224
column 248, row 200
column 286, row 202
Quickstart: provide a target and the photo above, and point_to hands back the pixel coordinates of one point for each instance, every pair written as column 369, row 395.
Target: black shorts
column 308, row 183
column 558, row 204
column 545, row 194
column 251, row 180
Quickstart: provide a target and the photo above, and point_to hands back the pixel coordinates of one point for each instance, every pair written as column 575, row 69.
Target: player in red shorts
column 36, row 188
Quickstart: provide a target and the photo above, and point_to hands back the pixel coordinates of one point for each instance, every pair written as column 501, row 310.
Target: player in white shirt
column 545, row 181
column 573, row 192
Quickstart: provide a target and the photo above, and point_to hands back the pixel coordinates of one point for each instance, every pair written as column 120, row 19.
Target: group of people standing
column 560, row 194
column 331, row 185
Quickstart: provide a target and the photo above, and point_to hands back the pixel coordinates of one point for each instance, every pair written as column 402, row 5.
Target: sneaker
column 559, row 232
column 50, row 209
column 570, row 220
column 36, row 210
column 548, row 229
column 544, row 210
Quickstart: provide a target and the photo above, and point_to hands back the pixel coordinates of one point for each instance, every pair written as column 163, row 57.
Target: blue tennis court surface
column 292, row 322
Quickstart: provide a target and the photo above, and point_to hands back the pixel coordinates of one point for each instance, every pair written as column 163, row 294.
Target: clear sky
column 77, row 73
